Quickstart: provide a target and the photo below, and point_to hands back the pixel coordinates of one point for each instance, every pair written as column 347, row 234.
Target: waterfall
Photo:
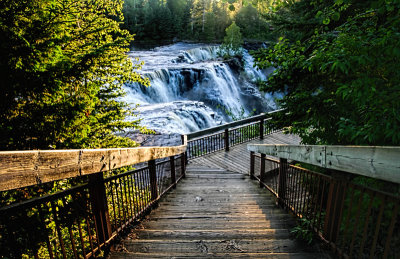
column 191, row 88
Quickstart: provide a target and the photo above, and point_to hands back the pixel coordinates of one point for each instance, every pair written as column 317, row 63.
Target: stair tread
column 216, row 213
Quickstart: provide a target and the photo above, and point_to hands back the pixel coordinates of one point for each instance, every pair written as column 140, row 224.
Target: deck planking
column 217, row 211
column 237, row 159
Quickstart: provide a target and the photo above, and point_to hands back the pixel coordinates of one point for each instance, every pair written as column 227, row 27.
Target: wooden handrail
column 372, row 161
column 24, row 168
column 230, row 125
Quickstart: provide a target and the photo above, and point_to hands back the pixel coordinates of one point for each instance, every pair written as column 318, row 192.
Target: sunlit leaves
column 342, row 81
column 63, row 64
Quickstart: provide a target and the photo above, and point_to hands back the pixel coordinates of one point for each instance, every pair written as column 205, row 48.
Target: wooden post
column 262, row 129
column 153, row 179
column 183, row 165
column 226, row 139
column 283, row 167
column 99, row 206
column 252, row 165
column 334, row 208
column 183, row 143
column 262, row 170
column 172, row 164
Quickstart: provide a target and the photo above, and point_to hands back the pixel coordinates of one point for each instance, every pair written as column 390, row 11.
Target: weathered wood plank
column 372, row 161
column 229, row 233
column 23, row 168
column 308, row 255
column 238, row 158
column 189, row 224
column 215, row 246
column 216, row 217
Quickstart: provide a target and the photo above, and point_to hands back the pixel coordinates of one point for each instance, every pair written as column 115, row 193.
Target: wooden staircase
column 216, row 213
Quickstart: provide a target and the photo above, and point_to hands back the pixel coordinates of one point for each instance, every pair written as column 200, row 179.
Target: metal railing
column 222, row 137
column 82, row 220
column 358, row 221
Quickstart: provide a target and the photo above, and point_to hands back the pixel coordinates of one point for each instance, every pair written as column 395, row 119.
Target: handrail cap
column 380, row 162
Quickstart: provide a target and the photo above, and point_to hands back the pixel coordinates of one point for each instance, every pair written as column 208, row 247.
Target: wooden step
column 220, row 216
column 216, row 213
column 216, row 246
column 183, row 224
column 215, row 176
column 203, row 234
column 218, row 193
column 214, row 201
column 308, row 255
column 191, row 170
column 217, row 206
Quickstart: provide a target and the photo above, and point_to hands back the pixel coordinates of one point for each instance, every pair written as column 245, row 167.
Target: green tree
column 209, row 32
column 63, row 64
column 177, row 8
column 222, row 18
column 233, row 39
column 199, row 10
column 338, row 66
column 251, row 23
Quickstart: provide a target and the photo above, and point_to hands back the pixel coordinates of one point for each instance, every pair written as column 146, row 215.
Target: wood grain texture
column 24, row 168
column 238, row 157
column 225, row 215
column 372, row 161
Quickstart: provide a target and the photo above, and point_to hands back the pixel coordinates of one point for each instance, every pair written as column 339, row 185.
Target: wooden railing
column 81, row 220
column 221, row 137
column 99, row 194
column 357, row 220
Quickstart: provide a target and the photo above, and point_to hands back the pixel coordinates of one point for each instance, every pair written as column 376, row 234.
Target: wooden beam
column 24, row 168
column 372, row 161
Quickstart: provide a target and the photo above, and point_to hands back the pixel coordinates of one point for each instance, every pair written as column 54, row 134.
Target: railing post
column 226, row 139
column 183, row 165
column 183, row 143
column 262, row 170
column 252, row 161
column 283, row 168
column 262, row 129
column 98, row 201
column 172, row 164
column 334, row 207
column 153, row 179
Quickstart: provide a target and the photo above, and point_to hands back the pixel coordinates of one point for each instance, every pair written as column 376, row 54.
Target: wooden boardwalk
column 214, row 212
column 238, row 158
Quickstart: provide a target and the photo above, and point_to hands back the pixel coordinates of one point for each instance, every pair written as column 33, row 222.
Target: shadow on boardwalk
column 217, row 211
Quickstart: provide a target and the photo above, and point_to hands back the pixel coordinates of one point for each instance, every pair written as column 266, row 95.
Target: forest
column 159, row 21
column 336, row 61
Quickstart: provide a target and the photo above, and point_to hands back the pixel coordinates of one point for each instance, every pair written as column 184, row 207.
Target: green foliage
column 241, row 115
column 160, row 22
column 303, row 230
column 233, row 39
column 62, row 65
column 252, row 25
column 337, row 63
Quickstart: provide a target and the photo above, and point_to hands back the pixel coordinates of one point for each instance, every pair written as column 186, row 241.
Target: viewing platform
column 240, row 190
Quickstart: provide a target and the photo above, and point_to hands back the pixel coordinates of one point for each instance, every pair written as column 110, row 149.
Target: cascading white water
column 191, row 88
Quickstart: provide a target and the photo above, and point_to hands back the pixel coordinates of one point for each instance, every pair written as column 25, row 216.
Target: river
column 192, row 88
